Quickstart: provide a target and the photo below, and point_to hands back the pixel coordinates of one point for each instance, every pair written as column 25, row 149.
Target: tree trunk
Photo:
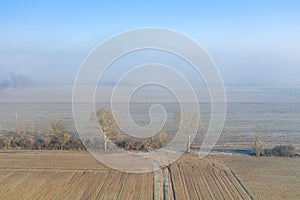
column 188, row 148
column 105, row 141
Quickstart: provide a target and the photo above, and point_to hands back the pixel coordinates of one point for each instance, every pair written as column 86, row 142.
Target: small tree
column 58, row 132
column 108, row 124
column 258, row 146
column 189, row 123
column 162, row 139
column 55, row 127
column 64, row 139
column 8, row 142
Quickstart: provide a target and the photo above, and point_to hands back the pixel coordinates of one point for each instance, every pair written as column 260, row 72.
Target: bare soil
column 267, row 177
column 77, row 175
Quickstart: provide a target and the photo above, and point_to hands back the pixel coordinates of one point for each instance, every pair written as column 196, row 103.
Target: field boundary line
column 171, row 182
column 242, row 185
column 157, row 187
column 57, row 170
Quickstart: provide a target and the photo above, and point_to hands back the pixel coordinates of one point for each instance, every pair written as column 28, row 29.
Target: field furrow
column 188, row 178
column 223, row 183
column 180, row 190
column 209, row 193
column 3, row 174
column 108, row 189
column 25, row 185
column 95, row 186
column 232, row 190
column 199, row 184
column 12, row 181
column 54, row 185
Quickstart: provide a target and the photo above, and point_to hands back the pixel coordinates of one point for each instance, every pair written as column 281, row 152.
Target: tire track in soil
column 200, row 185
column 238, row 191
column 58, row 179
column 207, row 186
column 136, row 186
column 41, row 186
column 121, row 185
column 96, row 186
column 126, row 192
column 139, row 193
column 4, row 175
column 224, row 184
column 107, row 189
column 189, row 180
column 157, row 182
column 69, row 186
column 231, row 187
column 169, row 183
column 193, row 179
column 179, row 190
column 53, row 189
column 250, row 196
column 147, row 187
column 78, row 189
column 165, row 184
column 116, row 186
column 13, row 181
column 24, row 186
column 216, row 182
column 89, row 188
column 183, row 181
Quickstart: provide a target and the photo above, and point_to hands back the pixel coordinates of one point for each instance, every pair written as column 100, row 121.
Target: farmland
column 77, row 175
column 247, row 109
column 267, row 177
column 73, row 175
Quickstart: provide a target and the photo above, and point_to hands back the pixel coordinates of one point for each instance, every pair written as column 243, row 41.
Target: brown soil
column 77, row 175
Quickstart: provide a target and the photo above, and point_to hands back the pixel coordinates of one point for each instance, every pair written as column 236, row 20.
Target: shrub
column 283, row 151
column 258, row 147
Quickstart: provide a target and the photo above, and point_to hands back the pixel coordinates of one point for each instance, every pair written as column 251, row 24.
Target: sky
column 253, row 42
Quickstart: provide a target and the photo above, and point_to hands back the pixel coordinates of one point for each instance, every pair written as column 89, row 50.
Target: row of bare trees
column 56, row 138
column 112, row 133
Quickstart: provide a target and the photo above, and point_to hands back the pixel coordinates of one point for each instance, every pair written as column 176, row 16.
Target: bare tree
column 258, row 145
column 108, row 124
column 64, row 139
column 17, row 123
column 189, row 121
column 8, row 142
column 58, row 131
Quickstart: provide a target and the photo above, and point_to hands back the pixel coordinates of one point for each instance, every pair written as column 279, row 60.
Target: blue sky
column 252, row 42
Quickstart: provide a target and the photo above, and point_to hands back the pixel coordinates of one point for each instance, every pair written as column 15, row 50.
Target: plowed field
column 72, row 175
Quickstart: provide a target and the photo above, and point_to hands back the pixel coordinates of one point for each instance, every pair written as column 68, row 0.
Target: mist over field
column 251, row 43
column 273, row 111
column 150, row 100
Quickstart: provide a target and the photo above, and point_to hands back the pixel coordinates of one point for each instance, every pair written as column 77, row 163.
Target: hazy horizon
column 254, row 43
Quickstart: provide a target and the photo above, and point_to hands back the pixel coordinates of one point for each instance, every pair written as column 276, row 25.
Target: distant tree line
column 16, row 80
column 58, row 138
